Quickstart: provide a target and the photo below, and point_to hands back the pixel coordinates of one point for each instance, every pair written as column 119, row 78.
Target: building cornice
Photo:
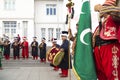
column 49, row 22
column 16, row 18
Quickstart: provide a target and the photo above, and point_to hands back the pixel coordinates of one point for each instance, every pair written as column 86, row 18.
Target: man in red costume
column 24, row 45
column 107, row 46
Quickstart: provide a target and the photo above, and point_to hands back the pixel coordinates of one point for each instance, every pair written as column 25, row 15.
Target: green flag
column 83, row 59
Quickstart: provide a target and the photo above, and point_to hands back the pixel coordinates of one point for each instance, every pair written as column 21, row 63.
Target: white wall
column 54, row 26
column 40, row 12
column 19, row 30
column 44, row 21
column 23, row 9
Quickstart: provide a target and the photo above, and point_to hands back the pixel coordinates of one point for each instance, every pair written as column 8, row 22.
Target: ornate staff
column 69, row 16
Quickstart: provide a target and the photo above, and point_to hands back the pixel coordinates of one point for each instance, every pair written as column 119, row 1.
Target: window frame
column 58, row 31
column 10, row 28
column 9, row 4
column 50, row 33
column 43, row 32
column 51, row 9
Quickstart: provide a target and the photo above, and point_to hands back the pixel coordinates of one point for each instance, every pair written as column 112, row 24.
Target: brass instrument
column 22, row 45
column 33, row 44
column 6, row 43
column 16, row 44
column 41, row 45
column 1, row 43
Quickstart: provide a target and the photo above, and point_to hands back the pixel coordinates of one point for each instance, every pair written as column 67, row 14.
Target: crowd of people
column 16, row 45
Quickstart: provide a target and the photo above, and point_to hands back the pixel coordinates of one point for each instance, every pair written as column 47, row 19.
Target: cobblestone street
column 29, row 70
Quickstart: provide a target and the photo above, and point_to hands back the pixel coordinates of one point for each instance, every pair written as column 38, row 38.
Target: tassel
column 66, row 19
column 72, row 15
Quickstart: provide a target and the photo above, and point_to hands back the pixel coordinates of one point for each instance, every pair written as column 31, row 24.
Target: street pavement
column 30, row 70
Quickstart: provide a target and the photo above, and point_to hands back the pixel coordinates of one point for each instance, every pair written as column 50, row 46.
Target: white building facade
column 41, row 18
column 17, row 17
column 49, row 19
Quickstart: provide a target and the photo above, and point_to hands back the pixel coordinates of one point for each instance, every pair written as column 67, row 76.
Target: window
column 50, row 9
column 25, row 26
column 47, row 11
column 9, row 4
column 50, row 34
column 10, row 28
column 54, row 11
column 43, row 33
column 58, row 33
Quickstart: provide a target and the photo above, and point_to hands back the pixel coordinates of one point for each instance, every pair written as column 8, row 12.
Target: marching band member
column 7, row 48
column 42, row 48
column 64, row 65
column 106, row 41
column 34, row 46
column 25, row 45
column 16, row 48
column 54, row 44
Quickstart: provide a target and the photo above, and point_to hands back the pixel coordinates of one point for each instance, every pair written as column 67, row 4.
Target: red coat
column 25, row 49
column 110, row 30
column 107, row 55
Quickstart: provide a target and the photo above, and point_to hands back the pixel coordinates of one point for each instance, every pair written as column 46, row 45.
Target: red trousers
column 35, row 57
column 7, row 57
column 17, row 57
column 56, row 68
column 107, row 59
column 64, row 72
column 43, row 60
column 25, row 54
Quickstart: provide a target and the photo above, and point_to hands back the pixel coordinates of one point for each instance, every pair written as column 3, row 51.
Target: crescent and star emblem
column 85, row 31
column 82, row 35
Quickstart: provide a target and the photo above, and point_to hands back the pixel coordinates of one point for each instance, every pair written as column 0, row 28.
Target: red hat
column 24, row 37
column 110, row 3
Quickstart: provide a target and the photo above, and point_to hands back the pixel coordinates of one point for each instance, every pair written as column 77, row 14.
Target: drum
column 58, row 58
column 55, row 56
column 51, row 53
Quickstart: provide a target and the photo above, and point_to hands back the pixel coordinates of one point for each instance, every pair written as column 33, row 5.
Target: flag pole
column 69, row 5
